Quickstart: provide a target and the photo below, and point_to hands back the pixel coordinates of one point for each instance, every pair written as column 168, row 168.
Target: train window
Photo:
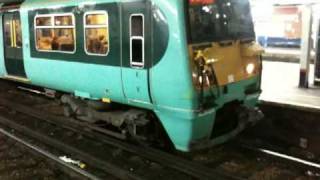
column 137, row 40
column 96, row 18
column 55, row 33
column 18, row 33
column 13, row 34
column 96, row 27
column 43, row 21
column 136, row 26
column 63, row 21
column 7, row 31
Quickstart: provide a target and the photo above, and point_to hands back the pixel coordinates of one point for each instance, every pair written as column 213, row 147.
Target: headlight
column 250, row 68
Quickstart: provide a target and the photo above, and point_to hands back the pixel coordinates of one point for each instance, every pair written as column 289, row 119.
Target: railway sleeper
column 125, row 121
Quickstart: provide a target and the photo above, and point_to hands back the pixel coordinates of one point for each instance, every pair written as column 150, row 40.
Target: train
column 184, row 72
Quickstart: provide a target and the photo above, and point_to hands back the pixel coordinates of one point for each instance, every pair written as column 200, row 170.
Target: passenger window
column 63, row 21
column 96, row 33
column 137, row 40
column 13, row 34
column 43, row 21
column 55, row 33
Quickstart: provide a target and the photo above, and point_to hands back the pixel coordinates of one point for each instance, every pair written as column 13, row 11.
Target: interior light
column 206, row 9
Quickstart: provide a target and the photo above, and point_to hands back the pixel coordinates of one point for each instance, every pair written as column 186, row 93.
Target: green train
column 185, row 71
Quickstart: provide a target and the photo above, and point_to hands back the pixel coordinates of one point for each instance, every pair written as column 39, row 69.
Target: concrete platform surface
column 280, row 86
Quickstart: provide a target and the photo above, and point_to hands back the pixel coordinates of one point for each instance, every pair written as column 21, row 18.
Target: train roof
column 11, row 1
column 38, row 4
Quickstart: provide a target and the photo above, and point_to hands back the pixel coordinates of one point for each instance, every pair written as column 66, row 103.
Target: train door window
column 137, row 40
column 96, row 27
column 7, row 31
column 12, row 29
column 55, row 33
column 17, row 32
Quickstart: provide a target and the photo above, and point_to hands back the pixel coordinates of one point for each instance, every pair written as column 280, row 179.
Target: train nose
column 246, row 117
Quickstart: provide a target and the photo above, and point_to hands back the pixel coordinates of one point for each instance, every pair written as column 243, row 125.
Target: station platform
column 280, row 86
column 284, row 54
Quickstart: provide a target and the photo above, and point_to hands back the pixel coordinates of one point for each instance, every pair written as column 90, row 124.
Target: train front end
column 226, row 69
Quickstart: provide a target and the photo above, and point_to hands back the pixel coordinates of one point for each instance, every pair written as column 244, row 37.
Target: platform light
column 250, row 68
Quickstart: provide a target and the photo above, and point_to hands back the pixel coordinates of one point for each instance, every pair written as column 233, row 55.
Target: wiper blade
column 247, row 40
column 226, row 43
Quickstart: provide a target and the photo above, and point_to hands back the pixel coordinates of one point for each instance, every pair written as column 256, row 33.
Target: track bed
column 18, row 162
column 238, row 159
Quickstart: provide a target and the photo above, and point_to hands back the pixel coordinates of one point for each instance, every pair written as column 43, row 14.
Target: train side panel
column 86, row 76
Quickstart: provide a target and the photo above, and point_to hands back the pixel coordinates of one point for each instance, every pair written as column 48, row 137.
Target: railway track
column 23, row 161
column 81, row 174
column 35, row 121
column 122, row 160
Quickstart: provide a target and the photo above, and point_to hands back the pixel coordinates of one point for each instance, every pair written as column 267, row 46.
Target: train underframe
column 144, row 127
column 118, row 120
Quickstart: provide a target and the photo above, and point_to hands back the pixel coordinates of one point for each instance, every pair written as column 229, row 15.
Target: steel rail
column 48, row 155
column 107, row 167
column 180, row 164
column 276, row 151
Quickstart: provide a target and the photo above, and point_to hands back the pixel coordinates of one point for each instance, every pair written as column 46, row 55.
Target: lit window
column 13, row 33
column 7, row 31
column 43, row 21
column 96, row 33
column 18, row 33
column 55, row 33
column 63, row 20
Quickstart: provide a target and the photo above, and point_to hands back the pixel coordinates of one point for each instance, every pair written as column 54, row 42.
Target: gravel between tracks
column 16, row 162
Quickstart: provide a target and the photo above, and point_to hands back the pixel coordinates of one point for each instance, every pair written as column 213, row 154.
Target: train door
column 136, row 54
column 13, row 44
